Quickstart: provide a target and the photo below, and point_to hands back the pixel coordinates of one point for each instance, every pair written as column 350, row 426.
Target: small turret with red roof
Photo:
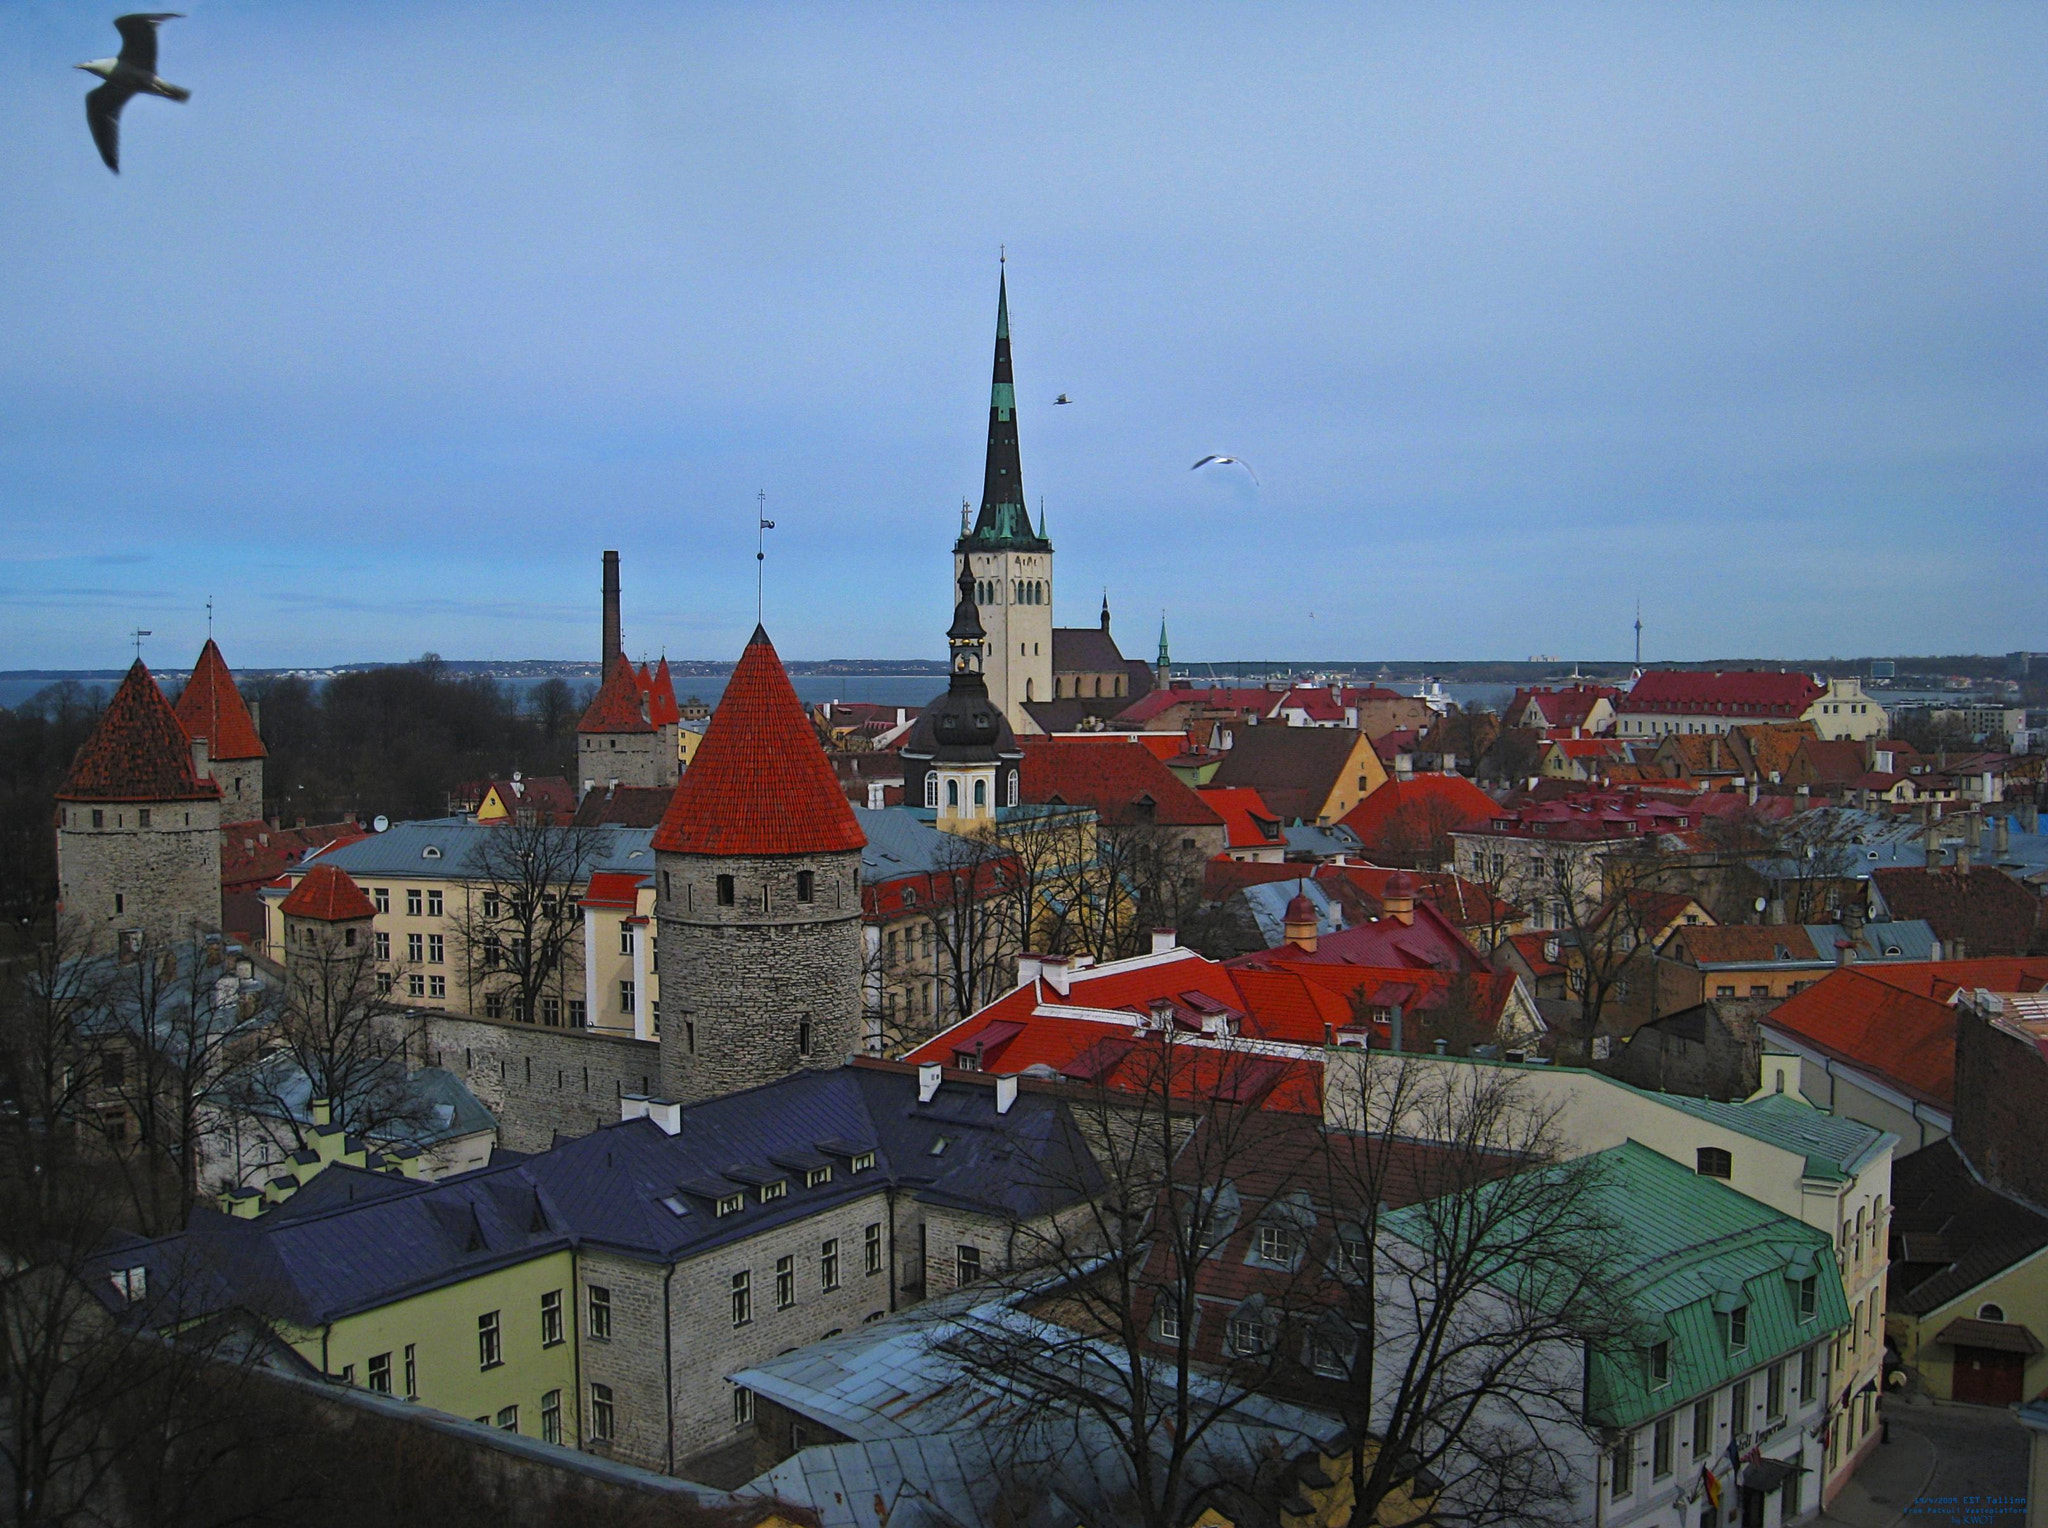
column 211, row 707
column 138, row 823
column 621, row 740
column 758, row 896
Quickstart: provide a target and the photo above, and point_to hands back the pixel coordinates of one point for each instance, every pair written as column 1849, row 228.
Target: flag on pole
column 1713, row 1487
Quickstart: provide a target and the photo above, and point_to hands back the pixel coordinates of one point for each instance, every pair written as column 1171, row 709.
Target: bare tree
column 975, row 932
column 51, row 1061
column 170, row 1025
column 521, row 920
column 1158, row 1202
column 339, row 1038
column 1469, row 1260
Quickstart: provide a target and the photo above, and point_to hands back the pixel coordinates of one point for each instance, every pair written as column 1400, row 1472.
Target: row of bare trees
column 1427, row 1269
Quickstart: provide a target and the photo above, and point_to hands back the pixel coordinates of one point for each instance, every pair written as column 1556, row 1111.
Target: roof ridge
column 138, row 751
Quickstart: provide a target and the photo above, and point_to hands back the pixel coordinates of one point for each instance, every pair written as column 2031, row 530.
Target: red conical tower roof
column 759, row 783
column 211, row 707
column 138, row 752
column 328, row 894
column 662, row 698
column 619, row 705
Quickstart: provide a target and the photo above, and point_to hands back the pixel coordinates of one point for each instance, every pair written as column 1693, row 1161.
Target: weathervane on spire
column 136, row 637
column 209, row 618
column 761, row 553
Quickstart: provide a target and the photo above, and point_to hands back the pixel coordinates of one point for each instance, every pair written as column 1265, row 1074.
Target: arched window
column 1990, row 1311
column 952, row 793
column 1715, row 1162
column 931, row 790
column 1013, row 787
column 981, row 793
column 1029, row 687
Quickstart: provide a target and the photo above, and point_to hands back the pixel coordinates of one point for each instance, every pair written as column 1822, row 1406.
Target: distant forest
column 394, row 741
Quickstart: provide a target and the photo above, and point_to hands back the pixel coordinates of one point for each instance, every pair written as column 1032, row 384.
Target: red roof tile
column 325, row 892
column 1418, row 808
column 619, row 705
column 661, row 697
column 1744, row 692
column 211, row 707
column 760, row 782
column 1252, row 824
column 614, row 888
column 1124, row 782
column 1904, row 1037
column 138, row 752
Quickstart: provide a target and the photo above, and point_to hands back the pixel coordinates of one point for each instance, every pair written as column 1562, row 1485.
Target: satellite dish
column 379, row 823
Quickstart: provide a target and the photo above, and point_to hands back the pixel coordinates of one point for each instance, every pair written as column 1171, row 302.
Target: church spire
column 1005, row 521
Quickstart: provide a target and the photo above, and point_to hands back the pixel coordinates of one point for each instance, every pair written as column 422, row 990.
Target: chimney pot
column 1006, row 1093
column 929, row 1075
column 666, row 1113
column 1056, row 972
column 1163, row 939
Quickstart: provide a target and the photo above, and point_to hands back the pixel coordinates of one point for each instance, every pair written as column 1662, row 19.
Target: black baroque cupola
column 960, row 756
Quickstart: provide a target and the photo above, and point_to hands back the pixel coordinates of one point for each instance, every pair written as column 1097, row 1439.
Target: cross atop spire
column 1004, row 523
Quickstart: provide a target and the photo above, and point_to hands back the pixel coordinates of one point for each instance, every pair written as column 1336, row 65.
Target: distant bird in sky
column 1224, row 461
column 133, row 73
column 1063, row 398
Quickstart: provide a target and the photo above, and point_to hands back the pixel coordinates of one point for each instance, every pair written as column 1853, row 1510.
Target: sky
column 1520, row 313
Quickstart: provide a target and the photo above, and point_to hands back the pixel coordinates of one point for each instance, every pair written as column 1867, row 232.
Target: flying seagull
column 133, row 73
column 1224, row 461
column 1063, row 398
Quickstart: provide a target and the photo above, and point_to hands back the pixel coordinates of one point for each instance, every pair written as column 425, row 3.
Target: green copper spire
column 1164, row 660
column 1004, row 523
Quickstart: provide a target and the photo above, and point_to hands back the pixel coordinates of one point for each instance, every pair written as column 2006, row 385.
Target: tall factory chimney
column 611, row 613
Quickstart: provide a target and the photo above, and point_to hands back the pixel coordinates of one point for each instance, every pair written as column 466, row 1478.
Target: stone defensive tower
column 757, row 897
column 211, row 707
column 1009, row 563
column 138, row 824
column 627, row 735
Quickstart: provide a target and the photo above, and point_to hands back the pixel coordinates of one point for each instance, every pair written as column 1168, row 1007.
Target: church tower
column 757, row 896
column 960, row 757
column 1009, row 564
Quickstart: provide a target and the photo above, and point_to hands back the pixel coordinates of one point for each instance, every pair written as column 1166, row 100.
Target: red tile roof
column 138, row 752
column 1566, row 706
column 1742, row 692
column 620, row 705
column 211, row 707
column 614, row 889
column 661, row 696
column 1904, row 1037
column 1991, row 913
column 1245, row 814
column 760, row 783
column 1124, row 782
column 325, row 892
column 1942, row 979
column 1418, row 808
column 1244, row 701
column 1101, row 1029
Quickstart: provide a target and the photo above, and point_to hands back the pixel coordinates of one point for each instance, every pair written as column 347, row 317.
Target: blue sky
column 1520, row 312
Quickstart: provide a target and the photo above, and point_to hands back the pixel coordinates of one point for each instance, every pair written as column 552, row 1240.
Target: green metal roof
column 1834, row 1147
column 1694, row 1241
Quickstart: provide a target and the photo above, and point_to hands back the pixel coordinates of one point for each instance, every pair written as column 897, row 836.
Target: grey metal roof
column 435, row 1106
column 900, row 842
column 1322, row 843
column 449, row 847
column 1267, row 902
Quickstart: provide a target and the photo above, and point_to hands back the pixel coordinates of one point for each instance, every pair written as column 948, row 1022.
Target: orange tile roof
column 1905, row 1037
column 1242, row 810
column 661, row 697
column 760, row 782
column 138, row 752
column 1942, row 979
column 211, row 707
column 325, row 892
column 619, row 705
column 1123, row 781
column 1422, row 801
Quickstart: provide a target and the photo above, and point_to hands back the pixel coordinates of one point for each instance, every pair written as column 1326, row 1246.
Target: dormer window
column 818, row 1177
column 770, row 1192
column 862, row 1161
column 731, row 1204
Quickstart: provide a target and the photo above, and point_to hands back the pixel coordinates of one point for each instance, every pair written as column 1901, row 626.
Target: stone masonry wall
column 740, row 982
column 2001, row 1099
column 708, row 1346
column 640, row 759
column 163, row 879
column 628, row 1361
column 537, row 1080
column 241, row 788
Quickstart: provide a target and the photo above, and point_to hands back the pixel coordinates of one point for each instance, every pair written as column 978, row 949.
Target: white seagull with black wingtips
column 132, row 74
